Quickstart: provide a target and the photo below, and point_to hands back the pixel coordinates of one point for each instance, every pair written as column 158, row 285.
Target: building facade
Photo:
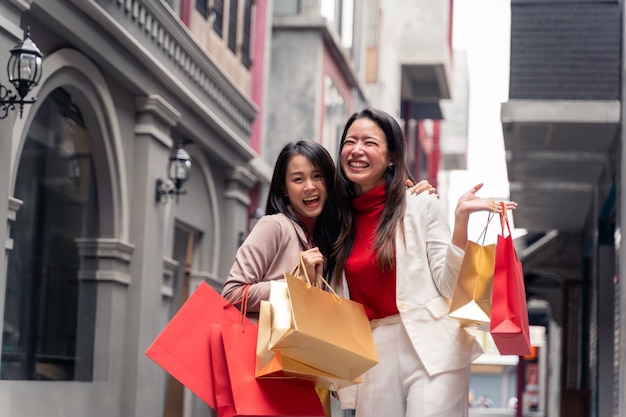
column 563, row 135
column 94, row 266
column 96, row 262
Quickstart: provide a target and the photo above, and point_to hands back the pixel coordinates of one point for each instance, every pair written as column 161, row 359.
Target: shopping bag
column 273, row 365
column 223, row 393
column 238, row 392
column 181, row 347
column 320, row 328
column 509, row 313
column 471, row 302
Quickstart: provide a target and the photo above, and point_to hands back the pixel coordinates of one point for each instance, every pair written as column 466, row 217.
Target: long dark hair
column 395, row 197
column 325, row 231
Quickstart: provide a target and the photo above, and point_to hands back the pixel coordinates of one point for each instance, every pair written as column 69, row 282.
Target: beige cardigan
column 271, row 249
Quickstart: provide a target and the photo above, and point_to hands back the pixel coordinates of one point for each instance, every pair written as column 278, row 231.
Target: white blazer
column 427, row 268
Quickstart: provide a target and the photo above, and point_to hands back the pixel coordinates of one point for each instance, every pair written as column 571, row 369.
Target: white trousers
column 400, row 386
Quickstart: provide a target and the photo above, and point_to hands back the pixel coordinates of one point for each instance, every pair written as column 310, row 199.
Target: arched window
column 48, row 319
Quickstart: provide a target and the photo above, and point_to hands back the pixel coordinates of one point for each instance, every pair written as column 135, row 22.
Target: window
column 371, row 23
column 286, row 7
column 174, row 5
column 336, row 113
column 232, row 26
column 247, row 28
column 202, row 6
column 340, row 14
column 218, row 12
column 49, row 313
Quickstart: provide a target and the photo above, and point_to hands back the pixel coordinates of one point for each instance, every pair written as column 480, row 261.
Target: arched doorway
column 48, row 319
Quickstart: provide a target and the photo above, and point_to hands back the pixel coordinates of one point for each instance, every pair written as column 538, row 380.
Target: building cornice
column 153, row 34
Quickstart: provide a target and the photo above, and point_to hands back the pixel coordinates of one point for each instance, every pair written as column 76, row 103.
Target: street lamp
column 24, row 70
column 178, row 172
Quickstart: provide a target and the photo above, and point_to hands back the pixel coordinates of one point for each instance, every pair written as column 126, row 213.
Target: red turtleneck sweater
column 368, row 285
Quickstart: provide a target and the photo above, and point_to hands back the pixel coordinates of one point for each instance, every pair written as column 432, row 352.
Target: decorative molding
column 14, row 206
column 105, row 259
column 238, row 185
column 155, row 118
column 198, row 276
column 22, row 5
column 178, row 46
column 155, row 104
column 169, row 269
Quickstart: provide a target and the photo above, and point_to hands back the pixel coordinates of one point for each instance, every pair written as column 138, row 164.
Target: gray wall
column 565, row 50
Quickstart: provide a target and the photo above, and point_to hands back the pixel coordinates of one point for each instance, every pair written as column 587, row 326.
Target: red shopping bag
column 509, row 313
column 239, row 393
column 181, row 347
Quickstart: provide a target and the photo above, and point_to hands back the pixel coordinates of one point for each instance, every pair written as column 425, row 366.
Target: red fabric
column 238, row 393
column 509, row 313
column 370, row 286
column 210, row 347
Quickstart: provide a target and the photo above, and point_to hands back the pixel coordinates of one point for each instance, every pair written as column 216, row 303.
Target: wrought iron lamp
column 178, row 173
column 24, row 70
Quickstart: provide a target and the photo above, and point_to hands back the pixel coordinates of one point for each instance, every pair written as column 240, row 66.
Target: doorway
column 184, row 242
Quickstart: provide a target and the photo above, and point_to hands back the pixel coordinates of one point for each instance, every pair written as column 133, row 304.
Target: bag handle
column 504, row 219
column 483, row 234
column 241, row 296
column 296, row 273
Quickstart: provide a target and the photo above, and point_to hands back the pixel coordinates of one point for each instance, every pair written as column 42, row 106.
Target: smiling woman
column 396, row 256
column 305, row 187
column 298, row 197
column 364, row 155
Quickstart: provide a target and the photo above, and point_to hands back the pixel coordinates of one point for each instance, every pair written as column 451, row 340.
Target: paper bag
column 509, row 313
column 190, row 348
column 238, row 393
column 273, row 365
column 471, row 303
column 181, row 347
column 321, row 330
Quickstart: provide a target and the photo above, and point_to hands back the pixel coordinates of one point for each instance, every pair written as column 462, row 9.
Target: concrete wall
column 142, row 87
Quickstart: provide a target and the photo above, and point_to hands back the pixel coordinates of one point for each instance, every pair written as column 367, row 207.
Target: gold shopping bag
column 273, row 365
column 324, row 331
column 471, row 303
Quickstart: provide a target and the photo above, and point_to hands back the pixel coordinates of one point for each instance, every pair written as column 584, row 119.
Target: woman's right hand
column 313, row 261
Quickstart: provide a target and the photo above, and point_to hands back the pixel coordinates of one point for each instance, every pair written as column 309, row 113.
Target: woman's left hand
column 469, row 203
column 313, row 261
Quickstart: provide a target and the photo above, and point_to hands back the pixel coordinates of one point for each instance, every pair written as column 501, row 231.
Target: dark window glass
column 247, row 29
column 218, row 16
column 48, row 318
column 232, row 26
column 202, row 6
